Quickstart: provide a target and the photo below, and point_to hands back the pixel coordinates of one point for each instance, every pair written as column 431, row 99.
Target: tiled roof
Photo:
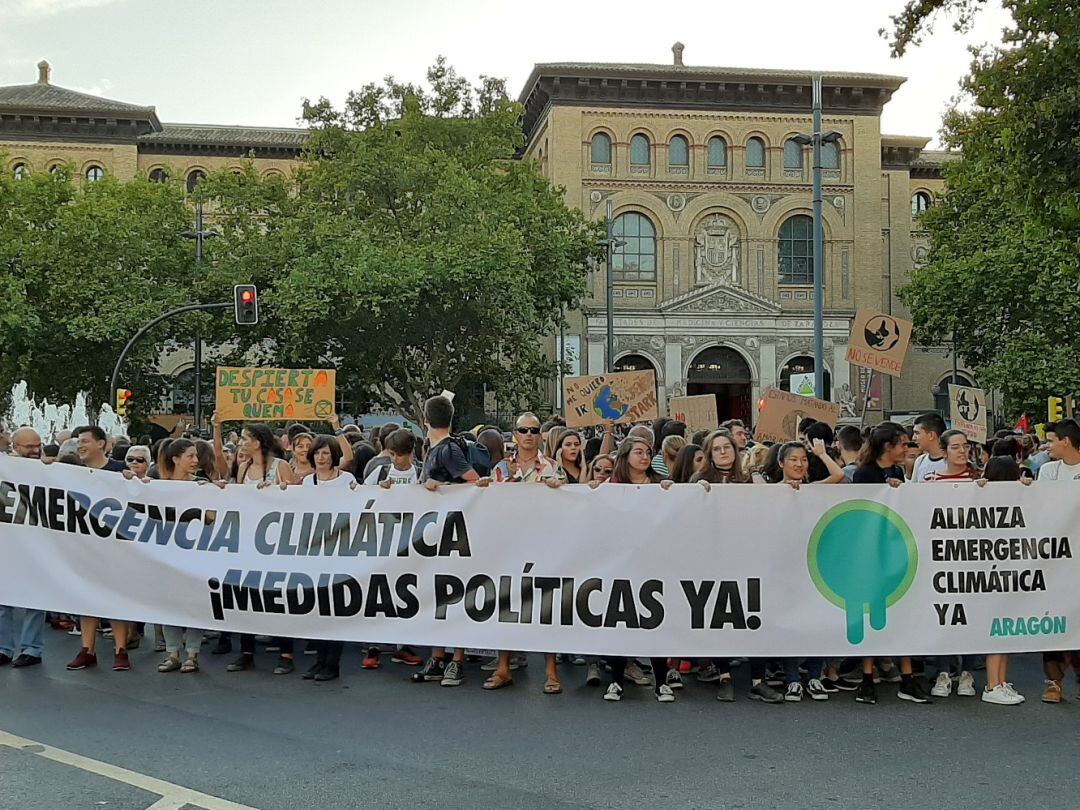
column 48, row 98
column 213, row 135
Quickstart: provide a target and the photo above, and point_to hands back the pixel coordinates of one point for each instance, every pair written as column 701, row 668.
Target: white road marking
column 173, row 796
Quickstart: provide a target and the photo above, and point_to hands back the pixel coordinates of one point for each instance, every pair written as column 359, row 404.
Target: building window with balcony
column 679, row 155
column 793, row 157
column 796, row 248
column 634, row 261
column 717, row 155
column 755, row 153
column 830, row 156
column 600, row 152
column 640, row 153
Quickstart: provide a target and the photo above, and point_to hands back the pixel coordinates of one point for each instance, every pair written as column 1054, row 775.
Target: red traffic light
column 246, row 304
column 247, row 296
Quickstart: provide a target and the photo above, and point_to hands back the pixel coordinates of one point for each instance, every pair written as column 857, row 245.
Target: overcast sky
column 252, row 61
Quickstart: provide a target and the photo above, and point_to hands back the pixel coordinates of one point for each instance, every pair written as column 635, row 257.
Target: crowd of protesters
column 550, row 454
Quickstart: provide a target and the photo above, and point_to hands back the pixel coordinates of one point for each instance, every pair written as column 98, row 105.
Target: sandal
column 170, row 664
column 191, row 665
column 498, row 682
column 552, row 687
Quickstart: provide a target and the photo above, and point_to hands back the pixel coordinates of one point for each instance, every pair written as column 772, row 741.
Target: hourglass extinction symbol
column 862, row 557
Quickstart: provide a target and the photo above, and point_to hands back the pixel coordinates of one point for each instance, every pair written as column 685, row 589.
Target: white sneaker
column 942, row 686
column 794, row 692
column 665, row 694
column 1012, row 691
column 614, row 692
column 816, row 689
column 1001, row 696
column 966, row 686
column 674, row 679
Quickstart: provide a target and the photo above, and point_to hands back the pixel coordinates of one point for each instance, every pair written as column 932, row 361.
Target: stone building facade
column 711, row 196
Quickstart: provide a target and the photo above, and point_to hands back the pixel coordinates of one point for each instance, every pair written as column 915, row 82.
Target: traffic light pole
column 151, row 325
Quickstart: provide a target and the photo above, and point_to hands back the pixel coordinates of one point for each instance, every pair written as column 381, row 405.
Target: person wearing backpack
column 402, row 469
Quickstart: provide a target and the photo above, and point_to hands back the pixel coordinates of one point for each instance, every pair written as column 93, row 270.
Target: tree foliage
column 1004, row 264
column 416, row 253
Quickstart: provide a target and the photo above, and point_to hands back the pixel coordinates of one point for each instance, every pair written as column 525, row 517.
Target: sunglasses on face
column 535, row 431
column 135, row 460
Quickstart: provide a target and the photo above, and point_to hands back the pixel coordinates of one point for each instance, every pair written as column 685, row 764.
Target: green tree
column 416, row 253
column 1003, row 277
column 82, row 268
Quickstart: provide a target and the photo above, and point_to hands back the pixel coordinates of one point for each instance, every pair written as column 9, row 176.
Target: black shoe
column 5, row 659
column 433, row 670
column 285, row 666
column 327, row 674
column 832, row 686
column 313, row 672
column 913, row 691
column 726, row 690
column 245, row 661
column 223, row 646
column 765, row 693
column 866, row 693
column 25, row 660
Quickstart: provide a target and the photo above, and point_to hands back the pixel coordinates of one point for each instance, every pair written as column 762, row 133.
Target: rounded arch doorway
column 722, row 372
column 802, row 367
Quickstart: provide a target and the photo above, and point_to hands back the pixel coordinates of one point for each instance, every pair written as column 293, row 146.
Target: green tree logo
column 862, row 557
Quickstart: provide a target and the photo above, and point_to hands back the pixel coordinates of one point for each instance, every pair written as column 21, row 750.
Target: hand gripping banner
column 752, row 570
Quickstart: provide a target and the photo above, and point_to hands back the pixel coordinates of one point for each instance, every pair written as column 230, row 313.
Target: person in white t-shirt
column 325, row 455
column 927, row 434
column 402, row 469
column 1064, row 453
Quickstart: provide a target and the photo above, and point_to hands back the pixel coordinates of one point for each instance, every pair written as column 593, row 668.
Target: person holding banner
column 567, row 454
column 633, row 465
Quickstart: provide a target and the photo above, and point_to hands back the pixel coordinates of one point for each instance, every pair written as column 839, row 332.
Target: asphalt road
column 373, row 740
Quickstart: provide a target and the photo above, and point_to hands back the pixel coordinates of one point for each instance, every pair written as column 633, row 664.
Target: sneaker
column 913, row 692
column 327, row 674
column 966, row 685
column 490, row 665
column 26, row 660
column 942, row 686
column 5, row 659
column 245, row 661
column 841, row 684
column 314, row 670
column 708, row 673
column 685, row 666
column 830, row 686
column 816, row 689
column 454, row 674
column 578, row 660
column 866, row 693
column 1001, row 696
column 433, row 670
column 121, row 663
column 633, row 673
column 371, row 658
column 285, row 666
column 592, row 675
column 794, row 692
column 613, row 693
column 74, row 631
column 888, row 672
column 673, row 679
column 518, row 661
column 1051, row 694
column 765, row 693
column 1012, row 690
column 774, row 677
column 665, row 694
column 407, row 657
column 725, row 692
column 86, row 659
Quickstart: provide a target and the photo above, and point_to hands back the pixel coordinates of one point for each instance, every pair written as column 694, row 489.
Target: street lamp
column 199, row 235
column 816, row 139
column 610, row 243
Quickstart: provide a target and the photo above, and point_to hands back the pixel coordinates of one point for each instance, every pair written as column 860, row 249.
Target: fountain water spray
column 48, row 419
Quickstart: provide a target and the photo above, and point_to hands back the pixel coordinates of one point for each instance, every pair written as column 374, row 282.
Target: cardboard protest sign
column 879, row 341
column 623, row 396
column 697, row 412
column 967, row 410
column 272, row 394
column 779, row 414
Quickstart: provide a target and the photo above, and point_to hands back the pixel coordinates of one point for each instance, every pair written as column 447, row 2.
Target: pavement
column 113, row 741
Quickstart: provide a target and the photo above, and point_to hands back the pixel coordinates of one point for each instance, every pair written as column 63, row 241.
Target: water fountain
column 47, row 419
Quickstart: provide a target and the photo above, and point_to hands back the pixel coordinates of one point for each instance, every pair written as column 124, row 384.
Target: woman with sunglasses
column 137, row 460
column 633, row 465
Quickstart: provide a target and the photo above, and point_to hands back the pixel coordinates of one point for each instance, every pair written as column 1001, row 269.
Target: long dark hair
column 207, row 459
column 268, row 444
column 880, row 438
column 172, row 451
column 683, row 468
column 713, row 474
column 621, row 473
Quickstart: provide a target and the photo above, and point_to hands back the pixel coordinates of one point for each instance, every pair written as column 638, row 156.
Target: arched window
column 20, row 170
column 195, row 176
column 717, row 153
column 678, row 152
column 158, row 175
column 797, row 250
column 601, row 148
column 920, row 203
column 792, row 154
column 830, row 155
column 59, row 171
column 636, row 259
column 640, row 151
column 796, row 376
column 755, row 153
column 941, row 392
column 94, row 173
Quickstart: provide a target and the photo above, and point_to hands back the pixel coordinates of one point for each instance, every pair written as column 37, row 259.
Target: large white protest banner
column 741, row 570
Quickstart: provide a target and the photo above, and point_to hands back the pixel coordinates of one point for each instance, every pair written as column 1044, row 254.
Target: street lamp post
column 610, row 243
column 816, row 139
column 199, row 235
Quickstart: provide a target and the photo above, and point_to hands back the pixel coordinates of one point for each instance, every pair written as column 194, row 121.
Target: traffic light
column 1054, row 412
column 123, row 400
column 246, row 301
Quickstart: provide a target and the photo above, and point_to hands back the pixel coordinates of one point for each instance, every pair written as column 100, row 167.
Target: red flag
column 1023, row 425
